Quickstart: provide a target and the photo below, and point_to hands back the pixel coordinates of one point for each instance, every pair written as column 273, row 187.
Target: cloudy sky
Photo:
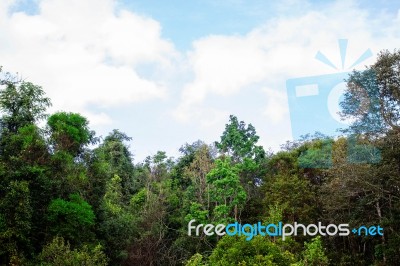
column 170, row 72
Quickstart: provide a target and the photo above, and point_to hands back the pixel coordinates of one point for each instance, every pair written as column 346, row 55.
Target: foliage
column 226, row 190
column 258, row 251
column 314, row 253
column 73, row 219
column 294, row 196
column 238, row 141
column 69, row 132
column 195, row 260
column 372, row 97
column 118, row 223
column 22, row 104
column 116, row 159
column 318, row 155
column 15, row 221
column 59, row 253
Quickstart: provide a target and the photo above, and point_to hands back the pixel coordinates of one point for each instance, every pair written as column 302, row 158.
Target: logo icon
column 314, row 106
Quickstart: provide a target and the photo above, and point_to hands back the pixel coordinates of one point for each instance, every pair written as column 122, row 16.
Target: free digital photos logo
column 280, row 229
column 314, row 107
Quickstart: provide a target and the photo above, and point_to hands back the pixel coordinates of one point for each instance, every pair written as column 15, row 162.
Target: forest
column 70, row 197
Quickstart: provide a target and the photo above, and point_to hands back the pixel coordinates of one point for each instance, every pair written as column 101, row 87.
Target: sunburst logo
column 343, row 51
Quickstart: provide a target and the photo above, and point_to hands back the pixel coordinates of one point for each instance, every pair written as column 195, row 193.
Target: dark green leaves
column 239, row 141
column 22, row 104
column 70, row 132
column 72, row 219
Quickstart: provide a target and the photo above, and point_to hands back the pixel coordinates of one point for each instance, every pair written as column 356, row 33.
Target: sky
column 171, row 72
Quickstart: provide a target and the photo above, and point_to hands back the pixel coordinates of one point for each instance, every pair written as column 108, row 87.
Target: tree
column 70, row 132
column 316, row 154
column 387, row 68
column 361, row 103
column 118, row 222
column 259, row 251
column 73, row 219
column 314, row 254
column 22, row 104
column 189, row 199
column 199, row 190
column 24, row 156
column 226, row 193
column 59, row 253
column 180, row 173
column 116, row 159
column 362, row 194
column 372, row 98
column 295, row 196
column 366, row 192
column 195, row 260
column 239, row 141
column 15, row 221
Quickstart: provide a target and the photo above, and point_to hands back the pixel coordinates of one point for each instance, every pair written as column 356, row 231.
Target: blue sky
column 185, row 21
column 170, row 72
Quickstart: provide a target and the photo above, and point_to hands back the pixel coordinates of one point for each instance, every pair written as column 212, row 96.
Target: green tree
column 227, row 194
column 24, row 158
column 189, row 199
column 295, row 196
column 22, row 104
column 59, row 253
column 314, row 253
column 259, row 251
column 118, row 223
column 116, row 159
column 199, row 190
column 195, row 260
column 69, row 132
column 16, row 222
column 363, row 194
column 388, row 76
column 73, row 219
column 189, row 152
column 239, row 141
column 372, row 98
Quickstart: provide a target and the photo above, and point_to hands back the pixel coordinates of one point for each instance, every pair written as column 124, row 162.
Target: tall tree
column 387, row 68
column 372, row 98
column 22, row 104
column 227, row 193
column 70, row 132
column 114, row 152
column 239, row 141
column 23, row 159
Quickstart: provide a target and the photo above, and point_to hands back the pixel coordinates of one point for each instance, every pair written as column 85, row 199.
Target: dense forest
column 69, row 197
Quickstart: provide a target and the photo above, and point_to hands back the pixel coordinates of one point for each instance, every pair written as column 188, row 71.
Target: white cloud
column 97, row 119
column 85, row 52
column 276, row 109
